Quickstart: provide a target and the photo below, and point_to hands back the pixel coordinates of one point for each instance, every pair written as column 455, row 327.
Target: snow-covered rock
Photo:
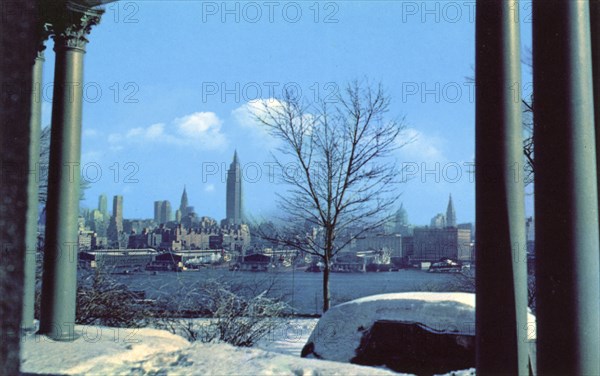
column 421, row 327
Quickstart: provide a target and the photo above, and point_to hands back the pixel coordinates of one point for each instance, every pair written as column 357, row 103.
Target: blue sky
column 168, row 82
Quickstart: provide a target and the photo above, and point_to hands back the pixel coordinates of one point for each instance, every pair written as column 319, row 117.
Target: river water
column 302, row 290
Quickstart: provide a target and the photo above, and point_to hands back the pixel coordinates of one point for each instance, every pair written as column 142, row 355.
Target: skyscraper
column 157, row 206
column 234, row 193
column 103, row 205
column 450, row 214
column 183, row 207
column 115, row 228
column 165, row 212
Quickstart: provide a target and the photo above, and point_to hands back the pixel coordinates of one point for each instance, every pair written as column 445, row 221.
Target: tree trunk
column 326, row 258
column 326, row 286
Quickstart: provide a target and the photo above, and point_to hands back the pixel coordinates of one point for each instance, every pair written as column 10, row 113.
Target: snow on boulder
column 419, row 332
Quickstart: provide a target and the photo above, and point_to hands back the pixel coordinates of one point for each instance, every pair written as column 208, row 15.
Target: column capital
column 71, row 24
column 44, row 32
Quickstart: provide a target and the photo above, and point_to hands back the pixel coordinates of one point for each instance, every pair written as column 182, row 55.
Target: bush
column 231, row 317
column 102, row 301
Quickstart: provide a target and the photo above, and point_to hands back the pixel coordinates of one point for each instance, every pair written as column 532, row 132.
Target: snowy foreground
column 112, row 351
column 106, row 351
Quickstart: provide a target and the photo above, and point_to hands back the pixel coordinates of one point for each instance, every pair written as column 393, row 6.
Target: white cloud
column 422, row 148
column 246, row 114
column 209, row 188
column 200, row 130
column 152, row 132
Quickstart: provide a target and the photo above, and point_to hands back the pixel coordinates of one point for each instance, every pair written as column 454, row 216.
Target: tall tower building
column 165, row 212
column 234, row 192
column 115, row 228
column 103, row 205
column 183, row 207
column 157, row 206
column 118, row 212
column 450, row 214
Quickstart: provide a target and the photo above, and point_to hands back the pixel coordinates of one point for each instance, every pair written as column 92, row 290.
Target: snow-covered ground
column 290, row 338
column 112, row 351
column 105, row 351
column 97, row 349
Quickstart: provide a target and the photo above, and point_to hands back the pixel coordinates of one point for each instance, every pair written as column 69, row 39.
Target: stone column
column 18, row 48
column 32, row 193
column 566, row 195
column 595, row 35
column 59, row 285
column 501, row 315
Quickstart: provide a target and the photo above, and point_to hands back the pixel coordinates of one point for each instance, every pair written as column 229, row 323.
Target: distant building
column 401, row 224
column 376, row 242
column 98, row 222
column 183, row 206
column 136, row 226
column 439, row 221
column 256, row 263
column 530, row 235
column 433, row 244
column 103, row 206
column 468, row 226
column 408, row 247
column 166, row 214
column 450, row 214
column 349, row 263
column 162, row 212
column 157, row 206
column 234, row 204
column 204, row 234
column 86, row 240
column 115, row 228
column 116, row 260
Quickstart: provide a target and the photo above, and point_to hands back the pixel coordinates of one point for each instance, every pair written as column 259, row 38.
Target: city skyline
column 163, row 207
column 151, row 123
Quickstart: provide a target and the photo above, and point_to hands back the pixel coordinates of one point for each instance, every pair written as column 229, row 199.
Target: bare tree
column 336, row 159
column 528, row 140
column 44, row 164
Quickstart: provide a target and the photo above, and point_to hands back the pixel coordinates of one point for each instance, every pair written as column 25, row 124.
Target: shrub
column 231, row 317
column 103, row 301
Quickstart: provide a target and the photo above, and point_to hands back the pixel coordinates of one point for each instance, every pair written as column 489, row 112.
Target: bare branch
column 345, row 180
